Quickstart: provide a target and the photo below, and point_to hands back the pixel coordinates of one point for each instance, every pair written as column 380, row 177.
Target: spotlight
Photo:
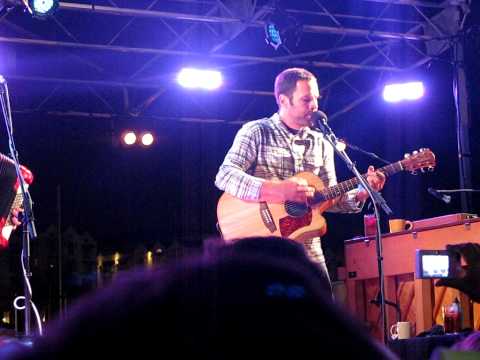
column 147, row 139
column 41, row 8
column 129, row 138
column 196, row 78
column 132, row 137
column 401, row 92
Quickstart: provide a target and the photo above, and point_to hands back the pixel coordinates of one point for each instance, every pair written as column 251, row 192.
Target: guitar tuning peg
column 422, row 149
column 414, row 172
column 406, row 156
column 431, row 168
column 422, row 170
column 415, row 152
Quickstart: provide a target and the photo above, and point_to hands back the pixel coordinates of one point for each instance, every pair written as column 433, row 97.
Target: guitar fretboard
column 17, row 203
column 335, row 191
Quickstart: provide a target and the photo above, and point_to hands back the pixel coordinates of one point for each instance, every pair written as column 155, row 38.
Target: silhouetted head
column 242, row 299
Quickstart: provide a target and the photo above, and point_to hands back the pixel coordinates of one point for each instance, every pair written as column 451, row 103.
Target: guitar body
column 239, row 218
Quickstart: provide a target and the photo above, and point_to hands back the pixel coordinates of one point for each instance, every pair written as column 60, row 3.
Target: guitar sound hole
column 296, row 209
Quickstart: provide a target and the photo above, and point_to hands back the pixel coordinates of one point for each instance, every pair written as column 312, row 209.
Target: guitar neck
column 347, row 185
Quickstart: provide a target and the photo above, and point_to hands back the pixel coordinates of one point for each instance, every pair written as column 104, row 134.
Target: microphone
column 442, row 197
column 319, row 120
column 320, row 116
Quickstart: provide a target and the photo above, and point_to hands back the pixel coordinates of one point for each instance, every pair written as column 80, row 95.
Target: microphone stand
column 320, row 123
column 451, row 191
column 29, row 231
column 441, row 194
column 376, row 301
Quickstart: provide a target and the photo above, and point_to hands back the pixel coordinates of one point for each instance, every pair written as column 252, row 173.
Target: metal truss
column 111, row 53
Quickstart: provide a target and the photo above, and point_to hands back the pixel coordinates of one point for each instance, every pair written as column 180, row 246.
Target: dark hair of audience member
column 270, row 246
column 254, row 297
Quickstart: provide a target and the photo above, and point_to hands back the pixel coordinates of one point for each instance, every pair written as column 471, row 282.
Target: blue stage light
column 272, row 35
column 41, row 8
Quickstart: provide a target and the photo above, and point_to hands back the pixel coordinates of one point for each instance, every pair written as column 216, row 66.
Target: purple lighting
column 402, row 92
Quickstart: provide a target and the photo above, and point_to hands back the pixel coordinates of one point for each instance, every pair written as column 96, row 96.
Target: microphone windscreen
column 320, row 115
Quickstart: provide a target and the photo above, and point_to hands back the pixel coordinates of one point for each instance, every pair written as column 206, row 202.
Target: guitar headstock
column 419, row 160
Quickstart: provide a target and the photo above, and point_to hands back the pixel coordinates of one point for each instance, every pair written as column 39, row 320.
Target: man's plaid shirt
column 268, row 149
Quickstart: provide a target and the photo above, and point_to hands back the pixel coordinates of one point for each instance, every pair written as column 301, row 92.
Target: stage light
column 199, row 79
column 116, row 259
column 282, row 28
column 142, row 138
column 41, row 8
column 272, row 35
column 401, row 92
column 149, row 259
column 129, row 138
column 147, row 139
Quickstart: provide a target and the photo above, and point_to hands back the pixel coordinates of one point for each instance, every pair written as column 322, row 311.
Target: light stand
column 320, row 123
column 29, row 231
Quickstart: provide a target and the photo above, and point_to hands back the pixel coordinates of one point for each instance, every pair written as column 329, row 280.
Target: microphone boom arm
column 371, row 154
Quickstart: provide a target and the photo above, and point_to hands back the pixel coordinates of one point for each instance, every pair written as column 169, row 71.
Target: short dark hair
column 286, row 81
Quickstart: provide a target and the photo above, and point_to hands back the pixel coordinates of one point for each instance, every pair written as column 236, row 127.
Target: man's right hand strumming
column 292, row 189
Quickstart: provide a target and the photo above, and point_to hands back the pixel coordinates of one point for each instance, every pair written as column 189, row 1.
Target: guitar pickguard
column 289, row 224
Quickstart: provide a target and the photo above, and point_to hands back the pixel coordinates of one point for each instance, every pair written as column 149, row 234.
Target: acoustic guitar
column 300, row 221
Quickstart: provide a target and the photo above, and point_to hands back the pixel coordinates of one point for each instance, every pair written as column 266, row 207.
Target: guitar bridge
column 267, row 217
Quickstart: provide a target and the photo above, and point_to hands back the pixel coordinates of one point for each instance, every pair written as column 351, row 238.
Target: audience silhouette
column 255, row 297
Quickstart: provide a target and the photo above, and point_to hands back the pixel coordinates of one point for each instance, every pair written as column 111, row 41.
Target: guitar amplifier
column 442, row 220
